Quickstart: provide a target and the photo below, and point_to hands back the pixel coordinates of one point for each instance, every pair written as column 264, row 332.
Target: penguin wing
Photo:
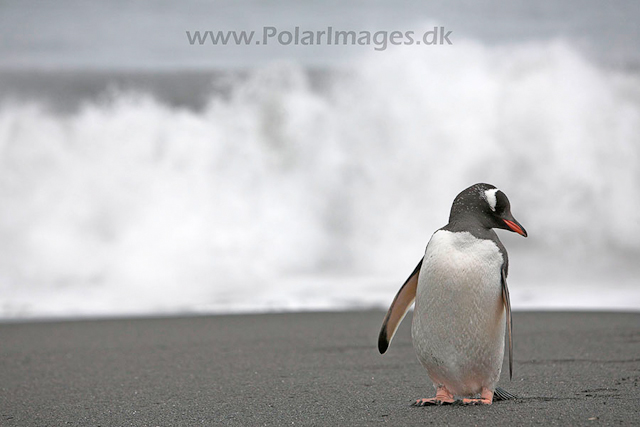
column 399, row 307
column 507, row 307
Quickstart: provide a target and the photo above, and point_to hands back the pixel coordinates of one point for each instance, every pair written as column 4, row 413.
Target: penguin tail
column 502, row 394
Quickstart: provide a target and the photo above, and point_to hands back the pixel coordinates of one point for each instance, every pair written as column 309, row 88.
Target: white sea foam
column 131, row 206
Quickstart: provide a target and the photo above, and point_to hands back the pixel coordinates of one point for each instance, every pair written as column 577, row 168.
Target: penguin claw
column 424, row 402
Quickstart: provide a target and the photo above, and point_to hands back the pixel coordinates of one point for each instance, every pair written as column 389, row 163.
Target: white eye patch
column 490, row 195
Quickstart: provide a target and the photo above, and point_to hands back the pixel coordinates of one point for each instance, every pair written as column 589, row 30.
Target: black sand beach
column 303, row 369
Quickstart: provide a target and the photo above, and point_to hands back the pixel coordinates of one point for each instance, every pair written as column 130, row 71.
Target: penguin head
column 485, row 204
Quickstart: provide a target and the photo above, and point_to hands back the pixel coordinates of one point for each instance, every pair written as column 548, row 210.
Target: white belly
column 459, row 322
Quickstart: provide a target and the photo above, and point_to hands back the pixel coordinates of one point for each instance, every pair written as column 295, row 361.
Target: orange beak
column 515, row 227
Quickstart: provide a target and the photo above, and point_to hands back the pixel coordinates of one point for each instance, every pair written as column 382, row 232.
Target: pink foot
column 443, row 397
column 486, row 398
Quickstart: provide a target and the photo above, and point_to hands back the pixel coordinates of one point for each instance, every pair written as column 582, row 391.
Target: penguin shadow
column 581, row 395
column 600, row 392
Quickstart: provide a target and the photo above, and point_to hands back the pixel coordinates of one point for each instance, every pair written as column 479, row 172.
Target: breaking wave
column 278, row 195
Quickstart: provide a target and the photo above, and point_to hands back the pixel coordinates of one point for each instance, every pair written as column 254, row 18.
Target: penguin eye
column 502, row 203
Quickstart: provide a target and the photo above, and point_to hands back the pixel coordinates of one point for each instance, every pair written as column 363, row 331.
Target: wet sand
column 303, row 369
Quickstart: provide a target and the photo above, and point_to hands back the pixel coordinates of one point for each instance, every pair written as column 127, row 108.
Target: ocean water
column 310, row 179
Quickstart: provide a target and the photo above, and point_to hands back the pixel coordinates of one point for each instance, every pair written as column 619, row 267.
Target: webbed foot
column 443, row 397
column 486, row 398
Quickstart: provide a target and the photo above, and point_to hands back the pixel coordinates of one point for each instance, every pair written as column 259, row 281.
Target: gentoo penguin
column 462, row 301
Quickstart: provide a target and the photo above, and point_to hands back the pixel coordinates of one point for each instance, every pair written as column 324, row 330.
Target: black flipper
column 507, row 307
column 399, row 307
